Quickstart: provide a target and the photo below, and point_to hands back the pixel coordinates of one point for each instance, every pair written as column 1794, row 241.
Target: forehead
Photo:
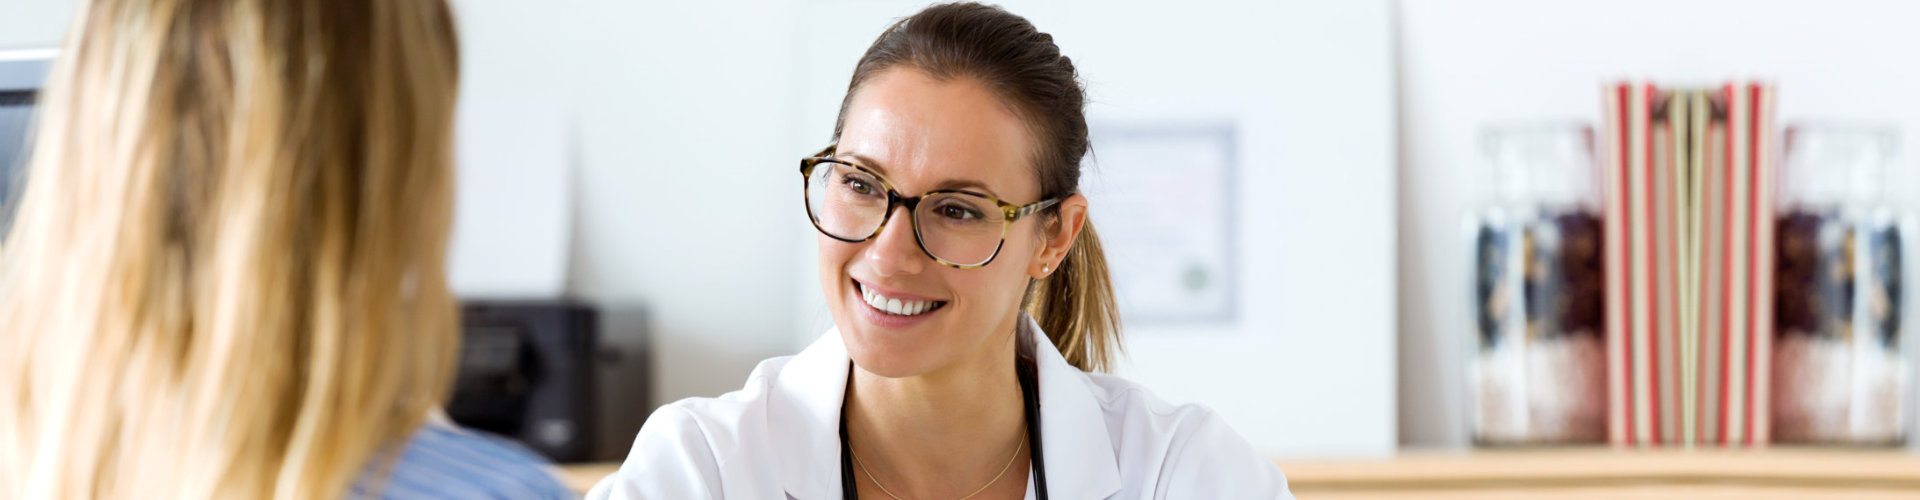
column 923, row 133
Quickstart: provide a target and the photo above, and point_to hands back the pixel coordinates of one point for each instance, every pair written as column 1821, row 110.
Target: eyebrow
column 946, row 185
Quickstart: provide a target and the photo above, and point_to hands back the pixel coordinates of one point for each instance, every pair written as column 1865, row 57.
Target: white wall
column 685, row 225
column 33, row 24
column 1469, row 63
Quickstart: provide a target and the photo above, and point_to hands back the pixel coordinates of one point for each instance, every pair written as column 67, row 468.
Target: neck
column 939, row 432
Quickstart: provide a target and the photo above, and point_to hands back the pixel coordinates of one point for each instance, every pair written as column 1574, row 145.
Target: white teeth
column 896, row 306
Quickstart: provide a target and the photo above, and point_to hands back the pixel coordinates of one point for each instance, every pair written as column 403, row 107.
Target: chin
column 882, row 354
column 884, row 364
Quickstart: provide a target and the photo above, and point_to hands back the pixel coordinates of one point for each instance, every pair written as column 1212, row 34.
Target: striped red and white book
column 1711, row 320
column 1643, row 341
column 1614, row 223
column 1689, row 223
column 1762, row 157
column 1736, row 330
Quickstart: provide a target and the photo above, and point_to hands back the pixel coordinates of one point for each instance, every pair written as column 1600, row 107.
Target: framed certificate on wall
column 1161, row 198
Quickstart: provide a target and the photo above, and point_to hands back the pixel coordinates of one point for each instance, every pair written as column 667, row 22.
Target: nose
column 896, row 251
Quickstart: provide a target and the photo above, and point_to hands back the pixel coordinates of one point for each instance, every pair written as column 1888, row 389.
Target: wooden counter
column 1603, row 473
column 1778, row 472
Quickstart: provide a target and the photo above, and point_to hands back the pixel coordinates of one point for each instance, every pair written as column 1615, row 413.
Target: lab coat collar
column 1073, row 426
column 803, row 417
column 809, row 392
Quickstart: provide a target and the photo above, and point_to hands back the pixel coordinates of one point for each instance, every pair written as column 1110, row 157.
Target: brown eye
column 957, row 213
column 858, row 185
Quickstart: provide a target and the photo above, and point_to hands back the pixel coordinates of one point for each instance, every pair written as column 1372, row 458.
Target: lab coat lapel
column 1073, row 428
column 803, row 416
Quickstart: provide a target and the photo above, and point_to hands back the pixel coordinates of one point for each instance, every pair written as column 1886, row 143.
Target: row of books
column 1689, row 177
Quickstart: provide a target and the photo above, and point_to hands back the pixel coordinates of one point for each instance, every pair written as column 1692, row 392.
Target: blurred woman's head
column 225, row 277
column 976, row 112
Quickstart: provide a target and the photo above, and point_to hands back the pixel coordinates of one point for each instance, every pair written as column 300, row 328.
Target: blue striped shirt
column 444, row 462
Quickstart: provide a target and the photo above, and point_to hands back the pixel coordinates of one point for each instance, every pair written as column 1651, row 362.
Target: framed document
column 1162, row 201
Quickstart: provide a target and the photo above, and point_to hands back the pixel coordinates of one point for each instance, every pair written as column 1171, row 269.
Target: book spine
column 1739, row 247
column 1619, row 405
column 1714, row 277
column 1661, row 231
column 1759, row 375
column 1699, row 113
column 1674, row 387
column 1639, row 171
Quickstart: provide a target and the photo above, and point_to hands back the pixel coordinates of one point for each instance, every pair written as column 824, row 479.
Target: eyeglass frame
column 1012, row 212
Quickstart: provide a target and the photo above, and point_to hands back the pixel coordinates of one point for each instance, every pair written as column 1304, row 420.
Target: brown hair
column 226, row 279
column 1024, row 68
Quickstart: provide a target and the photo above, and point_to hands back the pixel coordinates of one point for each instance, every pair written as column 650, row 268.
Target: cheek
column 834, row 256
column 1021, row 247
column 993, row 290
column 1010, row 267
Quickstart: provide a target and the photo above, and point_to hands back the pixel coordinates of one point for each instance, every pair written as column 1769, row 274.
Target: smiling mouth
column 895, row 306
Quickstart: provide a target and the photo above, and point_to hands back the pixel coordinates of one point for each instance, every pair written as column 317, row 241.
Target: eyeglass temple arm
column 1017, row 214
column 810, row 161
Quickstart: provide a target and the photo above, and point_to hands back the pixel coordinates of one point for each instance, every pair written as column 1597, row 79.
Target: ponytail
column 1075, row 306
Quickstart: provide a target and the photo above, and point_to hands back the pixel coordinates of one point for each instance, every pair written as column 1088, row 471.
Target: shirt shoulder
column 441, row 461
column 1128, row 404
column 685, row 445
column 718, row 421
column 1188, row 448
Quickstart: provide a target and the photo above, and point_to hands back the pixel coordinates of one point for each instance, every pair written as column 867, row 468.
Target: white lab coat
column 778, row 437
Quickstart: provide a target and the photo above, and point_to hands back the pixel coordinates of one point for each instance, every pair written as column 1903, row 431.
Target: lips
column 897, row 306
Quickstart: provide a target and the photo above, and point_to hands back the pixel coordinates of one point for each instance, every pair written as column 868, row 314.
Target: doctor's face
column 920, row 134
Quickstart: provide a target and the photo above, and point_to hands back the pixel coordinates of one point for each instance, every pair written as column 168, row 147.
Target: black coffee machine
column 526, row 372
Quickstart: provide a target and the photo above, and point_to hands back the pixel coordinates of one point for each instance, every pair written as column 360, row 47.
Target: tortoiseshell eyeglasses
column 955, row 227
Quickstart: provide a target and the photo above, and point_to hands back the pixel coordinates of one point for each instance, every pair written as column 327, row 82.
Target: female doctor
column 972, row 306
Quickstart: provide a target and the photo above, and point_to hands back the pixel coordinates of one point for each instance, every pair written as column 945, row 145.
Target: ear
column 1060, row 235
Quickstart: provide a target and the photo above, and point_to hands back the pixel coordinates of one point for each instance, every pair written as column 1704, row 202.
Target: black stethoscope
column 1029, row 392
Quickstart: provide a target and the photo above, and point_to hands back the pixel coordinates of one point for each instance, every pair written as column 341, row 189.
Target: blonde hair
column 226, row 276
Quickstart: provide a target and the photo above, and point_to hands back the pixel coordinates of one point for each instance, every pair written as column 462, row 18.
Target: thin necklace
column 990, row 482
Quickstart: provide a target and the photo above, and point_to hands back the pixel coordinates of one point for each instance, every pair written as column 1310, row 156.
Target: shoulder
column 442, row 461
column 1189, row 448
column 1136, row 414
column 716, row 423
column 684, row 445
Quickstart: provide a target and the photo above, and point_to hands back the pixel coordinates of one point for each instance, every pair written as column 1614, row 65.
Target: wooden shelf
column 1779, row 472
column 1603, row 473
